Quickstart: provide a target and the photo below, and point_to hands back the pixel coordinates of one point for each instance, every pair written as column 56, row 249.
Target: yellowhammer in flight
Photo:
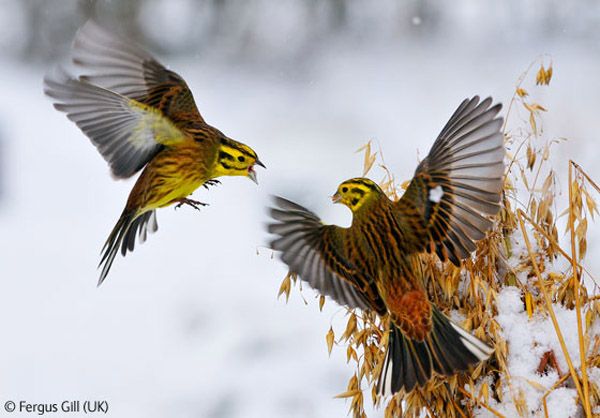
column 142, row 116
column 373, row 265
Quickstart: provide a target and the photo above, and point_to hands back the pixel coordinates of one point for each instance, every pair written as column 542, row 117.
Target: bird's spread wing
column 314, row 252
column 460, row 182
column 127, row 133
column 123, row 67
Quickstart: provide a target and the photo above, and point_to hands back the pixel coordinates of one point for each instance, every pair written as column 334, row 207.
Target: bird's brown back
column 378, row 244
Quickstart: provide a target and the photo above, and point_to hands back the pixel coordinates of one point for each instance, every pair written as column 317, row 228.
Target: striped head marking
column 236, row 159
column 356, row 192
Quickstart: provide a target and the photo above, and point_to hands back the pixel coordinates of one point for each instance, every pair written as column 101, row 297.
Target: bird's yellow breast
column 173, row 174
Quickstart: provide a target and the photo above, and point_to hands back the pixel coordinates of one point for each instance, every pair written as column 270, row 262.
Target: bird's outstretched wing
column 121, row 66
column 126, row 132
column 314, row 251
column 457, row 185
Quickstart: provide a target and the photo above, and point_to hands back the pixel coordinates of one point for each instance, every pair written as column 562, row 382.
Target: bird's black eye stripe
column 225, row 156
column 358, row 191
column 367, row 184
column 241, row 158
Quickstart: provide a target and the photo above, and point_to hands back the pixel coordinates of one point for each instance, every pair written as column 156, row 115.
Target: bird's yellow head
column 236, row 159
column 354, row 193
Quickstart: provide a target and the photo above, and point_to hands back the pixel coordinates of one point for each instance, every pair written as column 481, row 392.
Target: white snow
column 528, row 341
column 561, row 403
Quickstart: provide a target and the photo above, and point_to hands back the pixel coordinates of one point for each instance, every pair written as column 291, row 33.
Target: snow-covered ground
column 189, row 324
column 529, row 340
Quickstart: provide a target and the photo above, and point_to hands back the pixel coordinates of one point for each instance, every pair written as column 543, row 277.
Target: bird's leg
column 193, row 203
column 211, row 182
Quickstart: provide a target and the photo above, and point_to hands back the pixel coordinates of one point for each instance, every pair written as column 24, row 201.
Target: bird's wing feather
column 457, row 185
column 314, row 252
column 126, row 132
column 124, row 67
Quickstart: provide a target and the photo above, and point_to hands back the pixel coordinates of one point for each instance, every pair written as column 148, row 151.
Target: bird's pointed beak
column 336, row 198
column 258, row 162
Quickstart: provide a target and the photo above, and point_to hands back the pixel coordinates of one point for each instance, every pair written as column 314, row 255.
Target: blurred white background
column 189, row 324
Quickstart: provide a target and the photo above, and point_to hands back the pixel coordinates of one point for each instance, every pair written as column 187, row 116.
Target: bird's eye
column 241, row 159
column 344, row 189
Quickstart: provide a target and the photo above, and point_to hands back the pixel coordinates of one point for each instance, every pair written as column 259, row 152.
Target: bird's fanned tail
column 123, row 235
column 447, row 350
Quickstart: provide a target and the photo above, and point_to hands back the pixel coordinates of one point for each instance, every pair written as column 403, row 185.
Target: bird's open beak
column 336, row 198
column 252, row 175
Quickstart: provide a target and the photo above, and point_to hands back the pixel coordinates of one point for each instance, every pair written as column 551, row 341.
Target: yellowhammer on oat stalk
column 373, row 265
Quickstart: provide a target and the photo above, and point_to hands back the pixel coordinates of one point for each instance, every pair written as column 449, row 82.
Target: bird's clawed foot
column 193, row 203
column 211, row 182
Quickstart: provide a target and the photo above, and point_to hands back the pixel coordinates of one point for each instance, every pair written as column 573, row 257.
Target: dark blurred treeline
column 40, row 30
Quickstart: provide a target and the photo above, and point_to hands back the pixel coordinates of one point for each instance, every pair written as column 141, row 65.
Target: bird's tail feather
column 447, row 350
column 123, row 235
